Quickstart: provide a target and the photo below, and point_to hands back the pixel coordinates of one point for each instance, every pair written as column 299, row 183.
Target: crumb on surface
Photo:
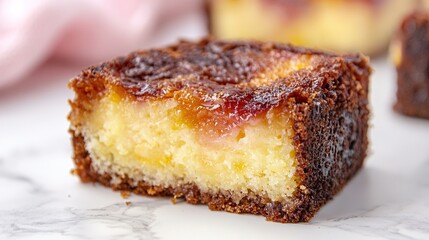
column 125, row 194
column 175, row 198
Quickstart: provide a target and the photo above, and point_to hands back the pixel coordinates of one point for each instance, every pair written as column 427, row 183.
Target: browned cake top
column 241, row 79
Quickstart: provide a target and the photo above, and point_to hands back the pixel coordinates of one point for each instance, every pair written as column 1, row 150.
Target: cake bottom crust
column 300, row 208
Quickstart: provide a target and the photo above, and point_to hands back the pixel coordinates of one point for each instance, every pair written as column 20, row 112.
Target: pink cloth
column 76, row 30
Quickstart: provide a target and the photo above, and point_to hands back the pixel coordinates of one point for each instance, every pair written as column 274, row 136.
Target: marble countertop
column 388, row 199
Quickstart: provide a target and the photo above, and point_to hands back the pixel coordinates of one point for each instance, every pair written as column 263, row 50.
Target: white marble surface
column 388, row 199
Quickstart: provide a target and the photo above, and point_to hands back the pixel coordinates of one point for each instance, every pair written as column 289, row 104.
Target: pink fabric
column 77, row 30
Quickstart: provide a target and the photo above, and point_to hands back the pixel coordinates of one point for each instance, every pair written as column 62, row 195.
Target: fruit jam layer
column 218, row 87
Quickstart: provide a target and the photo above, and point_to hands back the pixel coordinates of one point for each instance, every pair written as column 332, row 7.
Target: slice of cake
column 411, row 56
column 338, row 25
column 244, row 127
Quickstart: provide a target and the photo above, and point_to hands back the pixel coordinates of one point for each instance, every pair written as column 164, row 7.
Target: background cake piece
column 339, row 25
column 244, row 127
column 410, row 52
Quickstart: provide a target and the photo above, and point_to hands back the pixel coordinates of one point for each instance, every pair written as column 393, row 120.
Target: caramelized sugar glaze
column 219, row 85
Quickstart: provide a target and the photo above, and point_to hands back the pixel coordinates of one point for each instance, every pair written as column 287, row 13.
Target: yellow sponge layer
column 150, row 141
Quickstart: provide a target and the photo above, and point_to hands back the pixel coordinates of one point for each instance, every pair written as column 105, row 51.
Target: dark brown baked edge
column 330, row 133
column 413, row 71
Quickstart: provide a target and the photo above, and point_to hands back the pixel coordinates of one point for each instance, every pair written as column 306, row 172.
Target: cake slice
column 411, row 56
column 244, row 127
column 338, row 25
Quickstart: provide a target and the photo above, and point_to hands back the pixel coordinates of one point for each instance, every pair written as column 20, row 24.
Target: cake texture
column 337, row 25
column 410, row 53
column 244, row 127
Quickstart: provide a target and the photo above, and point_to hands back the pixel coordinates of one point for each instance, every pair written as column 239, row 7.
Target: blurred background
column 85, row 32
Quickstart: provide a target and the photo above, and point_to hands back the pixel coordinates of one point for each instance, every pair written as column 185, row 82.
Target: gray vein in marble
column 393, row 222
column 18, row 178
column 116, row 221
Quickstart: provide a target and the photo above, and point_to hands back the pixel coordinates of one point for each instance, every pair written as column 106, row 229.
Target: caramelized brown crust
column 208, row 74
column 328, row 104
column 413, row 70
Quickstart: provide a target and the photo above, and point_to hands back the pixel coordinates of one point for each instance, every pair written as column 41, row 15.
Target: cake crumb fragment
column 125, row 194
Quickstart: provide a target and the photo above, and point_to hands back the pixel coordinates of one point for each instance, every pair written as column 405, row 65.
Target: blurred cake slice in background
column 410, row 53
column 337, row 25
